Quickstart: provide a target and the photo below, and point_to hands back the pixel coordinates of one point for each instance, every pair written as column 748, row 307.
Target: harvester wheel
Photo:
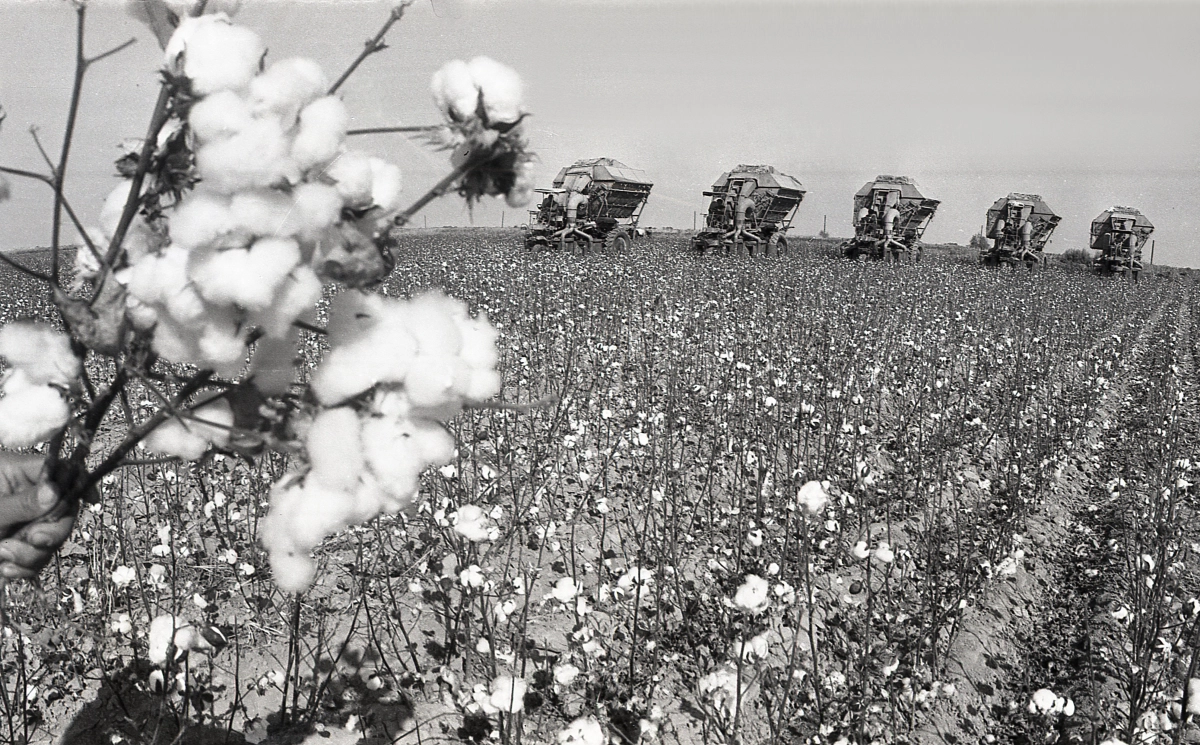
column 617, row 241
column 777, row 245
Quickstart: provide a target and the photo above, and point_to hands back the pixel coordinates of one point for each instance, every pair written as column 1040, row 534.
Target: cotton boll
column 315, row 207
column 273, row 365
column 41, row 352
column 213, row 420
column 334, row 448
column 351, row 369
column 320, row 512
column 293, row 572
column 141, row 316
column 286, row 87
column 454, row 91
column 485, row 384
column 261, row 212
column 501, row 89
column 162, row 635
column 216, row 55
column 355, row 178
column 255, row 157
column 187, row 307
column 114, row 207
column 175, row 438
column 29, row 412
column 295, row 299
column 323, row 125
column 352, row 314
column 222, row 346
column 156, row 279
column 247, row 278
column 434, row 444
column 200, row 219
column 221, row 115
column 87, row 264
column 478, row 341
column 433, row 380
column 391, row 456
column 386, row 185
column 431, row 320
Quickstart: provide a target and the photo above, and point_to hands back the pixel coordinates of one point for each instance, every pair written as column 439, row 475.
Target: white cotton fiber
column 454, row 90
column 218, row 116
column 386, row 184
column 162, row 635
column 222, row 346
column 200, row 219
column 382, row 356
column 286, row 87
column 114, row 206
column 295, row 299
column 216, row 54
column 485, row 384
column 500, row 86
column 155, row 279
column 478, row 341
column 434, row 380
column 219, row 414
column 355, row 178
column 323, row 125
column 392, row 457
column 248, row 278
column 187, row 307
column 257, row 156
column 41, row 352
column 431, row 320
column 315, row 207
column 141, row 316
column 351, row 315
column 261, row 212
column 174, row 342
column 189, row 439
column 294, row 572
column 29, row 412
column 87, row 264
column 273, row 365
column 334, row 448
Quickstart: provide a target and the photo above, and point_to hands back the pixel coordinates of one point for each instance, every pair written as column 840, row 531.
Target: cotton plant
column 198, row 282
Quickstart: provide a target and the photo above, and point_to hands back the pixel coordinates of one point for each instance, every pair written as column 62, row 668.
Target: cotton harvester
column 591, row 201
column 1019, row 226
column 751, row 209
column 1119, row 234
column 890, row 216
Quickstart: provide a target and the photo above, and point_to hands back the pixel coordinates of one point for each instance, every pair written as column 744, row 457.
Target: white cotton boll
column 286, row 87
column 434, row 444
column 255, row 157
column 246, row 277
column 392, row 457
column 222, row 346
column 314, row 208
column 175, row 438
column 215, row 419
column 114, row 207
column 175, row 342
column 87, row 264
column 219, row 116
column 386, row 184
column 162, row 636
column 29, row 412
column 273, row 365
column 156, row 279
column 187, row 307
column 434, row 380
column 431, row 320
column 454, row 90
column 501, row 89
column 293, row 572
column 295, row 299
column 354, row 178
column 41, row 352
column 334, row 448
column 321, row 512
column 323, row 125
column 200, row 219
column 479, row 342
column 261, row 212
column 217, row 55
column 141, row 316
column 351, row 369
column 485, row 384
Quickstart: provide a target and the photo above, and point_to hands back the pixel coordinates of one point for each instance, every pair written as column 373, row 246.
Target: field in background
column 1009, row 459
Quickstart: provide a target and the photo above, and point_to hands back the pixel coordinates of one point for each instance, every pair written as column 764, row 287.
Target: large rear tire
column 617, row 241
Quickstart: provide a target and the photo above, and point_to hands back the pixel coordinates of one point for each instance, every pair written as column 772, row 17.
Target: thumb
column 25, row 494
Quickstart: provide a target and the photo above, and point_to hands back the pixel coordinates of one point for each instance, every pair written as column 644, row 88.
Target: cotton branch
column 373, row 45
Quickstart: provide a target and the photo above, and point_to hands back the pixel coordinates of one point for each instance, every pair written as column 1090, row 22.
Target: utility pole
column 501, row 218
column 693, row 219
column 825, row 225
column 426, row 221
column 1151, row 251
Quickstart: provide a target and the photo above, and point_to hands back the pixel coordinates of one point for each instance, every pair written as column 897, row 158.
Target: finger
column 49, row 534
column 12, row 571
column 26, row 504
column 24, row 555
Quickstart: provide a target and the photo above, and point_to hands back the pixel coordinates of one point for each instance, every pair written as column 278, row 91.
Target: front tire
column 618, row 241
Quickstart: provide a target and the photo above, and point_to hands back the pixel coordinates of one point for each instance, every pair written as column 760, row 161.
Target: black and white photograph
column 599, row 372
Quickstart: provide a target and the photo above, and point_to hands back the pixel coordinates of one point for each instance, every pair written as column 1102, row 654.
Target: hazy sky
column 1088, row 104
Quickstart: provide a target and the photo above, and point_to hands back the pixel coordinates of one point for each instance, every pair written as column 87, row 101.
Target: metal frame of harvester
column 591, row 201
column 1120, row 234
column 890, row 216
column 1020, row 226
column 751, row 209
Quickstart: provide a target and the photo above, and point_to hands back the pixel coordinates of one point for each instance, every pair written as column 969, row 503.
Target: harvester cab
column 890, row 216
column 749, row 211
column 1019, row 226
column 1120, row 234
column 590, row 202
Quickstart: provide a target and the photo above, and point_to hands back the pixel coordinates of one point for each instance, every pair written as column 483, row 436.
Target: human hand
column 34, row 518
